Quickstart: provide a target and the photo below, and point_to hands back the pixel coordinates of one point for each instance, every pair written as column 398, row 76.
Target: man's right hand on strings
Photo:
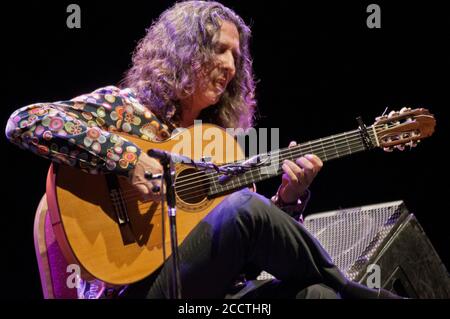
column 150, row 189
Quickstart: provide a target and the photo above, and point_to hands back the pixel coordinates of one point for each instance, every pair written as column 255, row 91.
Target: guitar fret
column 348, row 145
column 310, row 148
column 215, row 185
column 324, row 153
column 335, row 148
column 232, row 183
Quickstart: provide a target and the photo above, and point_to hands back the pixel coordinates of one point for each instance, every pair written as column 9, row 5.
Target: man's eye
column 220, row 49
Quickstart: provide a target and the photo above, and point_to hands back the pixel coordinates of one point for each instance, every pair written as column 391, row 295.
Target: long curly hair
column 175, row 48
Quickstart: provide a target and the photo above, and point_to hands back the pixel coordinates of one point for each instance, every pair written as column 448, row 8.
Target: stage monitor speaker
column 388, row 236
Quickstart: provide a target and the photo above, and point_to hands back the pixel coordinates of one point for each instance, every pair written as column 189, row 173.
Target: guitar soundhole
column 192, row 186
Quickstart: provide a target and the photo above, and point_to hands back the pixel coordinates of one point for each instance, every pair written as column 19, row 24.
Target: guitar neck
column 327, row 148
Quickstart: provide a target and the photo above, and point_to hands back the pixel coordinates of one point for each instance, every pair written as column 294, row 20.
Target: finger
column 308, row 168
column 294, row 172
column 285, row 179
column 155, row 193
column 292, row 144
column 155, row 197
column 290, row 174
column 305, row 164
column 295, row 168
column 142, row 188
column 304, row 170
column 317, row 162
column 149, row 190
column 157, row 188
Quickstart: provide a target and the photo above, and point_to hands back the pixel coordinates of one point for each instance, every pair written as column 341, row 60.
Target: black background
column 318, row 67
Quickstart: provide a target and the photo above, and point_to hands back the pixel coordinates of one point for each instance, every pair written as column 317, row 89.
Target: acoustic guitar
column 103, row 224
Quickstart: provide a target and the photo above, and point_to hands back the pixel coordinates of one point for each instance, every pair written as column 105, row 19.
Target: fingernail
column 156, row 189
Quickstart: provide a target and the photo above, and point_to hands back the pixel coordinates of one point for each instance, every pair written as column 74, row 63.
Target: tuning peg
column 388, row 149
column 393, row 113
column 405, row 135
column 404, row 110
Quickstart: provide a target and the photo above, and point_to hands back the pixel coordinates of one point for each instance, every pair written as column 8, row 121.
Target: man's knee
column 247, row 203
column 318, row 291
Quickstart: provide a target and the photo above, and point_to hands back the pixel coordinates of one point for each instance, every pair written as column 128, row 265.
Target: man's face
column 214, row 78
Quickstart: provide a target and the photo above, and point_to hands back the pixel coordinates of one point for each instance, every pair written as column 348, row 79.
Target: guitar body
column 86, row 211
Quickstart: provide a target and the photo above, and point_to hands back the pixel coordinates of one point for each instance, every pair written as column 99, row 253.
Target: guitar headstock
column 404, row 128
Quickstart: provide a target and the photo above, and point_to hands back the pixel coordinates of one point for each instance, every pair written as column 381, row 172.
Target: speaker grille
column 352, row 236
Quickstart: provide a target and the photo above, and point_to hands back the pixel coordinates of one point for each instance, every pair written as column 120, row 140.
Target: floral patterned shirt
column 81, row 132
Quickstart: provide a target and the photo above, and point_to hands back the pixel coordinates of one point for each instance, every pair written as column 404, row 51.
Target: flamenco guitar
column 102, row 223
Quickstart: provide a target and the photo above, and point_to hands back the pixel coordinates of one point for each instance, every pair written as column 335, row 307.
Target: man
column 194, row 63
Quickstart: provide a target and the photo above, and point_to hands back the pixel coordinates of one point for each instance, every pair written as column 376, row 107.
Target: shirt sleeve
column 82, row 132
column 295, row 209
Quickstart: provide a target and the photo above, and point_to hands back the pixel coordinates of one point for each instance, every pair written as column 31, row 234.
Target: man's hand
column 150, row 189
column 298, row 176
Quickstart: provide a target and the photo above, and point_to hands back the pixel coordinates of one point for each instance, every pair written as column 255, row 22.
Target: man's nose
column 228, row 64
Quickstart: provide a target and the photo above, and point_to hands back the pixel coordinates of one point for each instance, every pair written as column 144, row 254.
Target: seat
column 53, row 266
column 51, row 262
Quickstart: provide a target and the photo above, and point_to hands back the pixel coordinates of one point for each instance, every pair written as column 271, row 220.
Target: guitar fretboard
column 327, row 149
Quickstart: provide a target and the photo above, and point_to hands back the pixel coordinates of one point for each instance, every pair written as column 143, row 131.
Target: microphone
column 158, row 154
column 166, row 156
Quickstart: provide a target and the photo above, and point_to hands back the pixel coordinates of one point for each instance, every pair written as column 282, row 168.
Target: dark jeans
column 248, row 229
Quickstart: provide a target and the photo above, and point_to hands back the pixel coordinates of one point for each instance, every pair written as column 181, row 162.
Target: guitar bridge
column 119, row 207
column 117, row 200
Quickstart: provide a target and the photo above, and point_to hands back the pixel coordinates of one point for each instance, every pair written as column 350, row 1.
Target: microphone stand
column 169, row 173
column 167, row 161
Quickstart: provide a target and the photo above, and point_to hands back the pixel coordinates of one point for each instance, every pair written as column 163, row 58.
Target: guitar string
column 208, row 180
column 324, row 147
column 190, row 198
column 276, row 155
column 348, row 141
column 336, row 140
column 325, row 142
column 301, row 147
column 294, row 151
